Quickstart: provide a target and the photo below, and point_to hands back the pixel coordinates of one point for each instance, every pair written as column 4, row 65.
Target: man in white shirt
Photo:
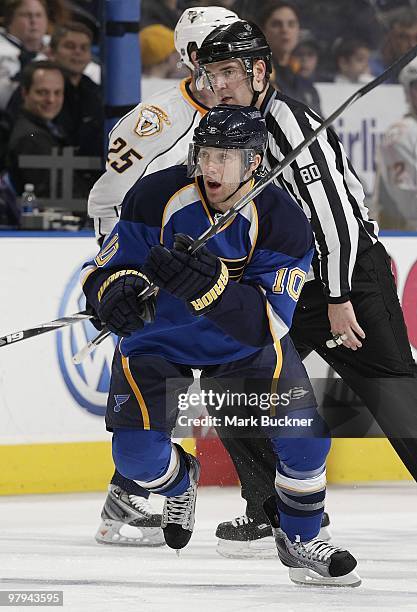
column 23, row 39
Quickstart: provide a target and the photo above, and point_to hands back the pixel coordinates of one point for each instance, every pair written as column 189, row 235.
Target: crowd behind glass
column 50, row 77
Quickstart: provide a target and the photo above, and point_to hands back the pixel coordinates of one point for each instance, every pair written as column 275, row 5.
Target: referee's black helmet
column 238, row 40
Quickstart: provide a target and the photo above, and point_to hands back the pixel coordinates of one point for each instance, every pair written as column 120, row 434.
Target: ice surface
column 46, row 542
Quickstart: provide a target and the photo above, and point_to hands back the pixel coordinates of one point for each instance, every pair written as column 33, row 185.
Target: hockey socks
column 301, row 485
column 301, row 505
column 150, row 460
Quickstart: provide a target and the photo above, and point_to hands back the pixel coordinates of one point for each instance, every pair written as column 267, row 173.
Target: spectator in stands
column 400, row 38
column 352, row 61
column 82, row 115
column 26, row 24
column 395, row 196
column 307, row 55
column 280, row 23
column 159, row 56
column 163, row 12
column 35, row 132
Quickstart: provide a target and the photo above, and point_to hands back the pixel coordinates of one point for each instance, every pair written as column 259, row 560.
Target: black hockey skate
column 178, row 515
column 129, row 520
column 250, row 538
column 314, row 562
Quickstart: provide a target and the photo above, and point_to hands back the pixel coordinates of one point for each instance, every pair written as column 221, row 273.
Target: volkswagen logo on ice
column 89, row 381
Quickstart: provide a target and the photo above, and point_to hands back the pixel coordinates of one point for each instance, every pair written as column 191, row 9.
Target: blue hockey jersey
column 267, row 248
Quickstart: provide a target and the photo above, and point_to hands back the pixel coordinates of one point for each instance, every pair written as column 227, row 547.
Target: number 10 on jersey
column 291, row 281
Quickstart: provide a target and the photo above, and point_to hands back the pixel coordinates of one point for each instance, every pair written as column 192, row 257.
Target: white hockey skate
column 129, row 520
column 315, row 562
column 178, row 516
column 249, row 538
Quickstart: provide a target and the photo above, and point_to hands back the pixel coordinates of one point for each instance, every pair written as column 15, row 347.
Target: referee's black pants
column 382, row 373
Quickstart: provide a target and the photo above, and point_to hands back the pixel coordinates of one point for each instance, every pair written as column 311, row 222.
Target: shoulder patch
column 151, row 120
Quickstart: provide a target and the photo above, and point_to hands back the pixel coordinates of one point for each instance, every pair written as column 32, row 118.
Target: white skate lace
column 179, row 508
column 241, row 520
column 315, row 549
column 141, row 504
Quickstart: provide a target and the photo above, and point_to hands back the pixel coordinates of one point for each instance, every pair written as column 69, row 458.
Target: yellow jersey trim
column 161, row 236
column 201, row 109
column 136, row 391
column 279, row 362
column 108, row 251
column 86, row 275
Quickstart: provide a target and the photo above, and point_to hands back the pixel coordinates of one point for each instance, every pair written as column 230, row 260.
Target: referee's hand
column 343, row 325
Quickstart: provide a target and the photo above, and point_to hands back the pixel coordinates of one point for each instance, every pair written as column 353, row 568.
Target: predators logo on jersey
column 151, row 120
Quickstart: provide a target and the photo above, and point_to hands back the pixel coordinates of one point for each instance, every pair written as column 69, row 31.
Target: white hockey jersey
column 396, row 193
column 153, row 136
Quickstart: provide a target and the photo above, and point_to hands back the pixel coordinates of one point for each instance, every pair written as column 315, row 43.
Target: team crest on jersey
column 151, row 120
column 120, row 400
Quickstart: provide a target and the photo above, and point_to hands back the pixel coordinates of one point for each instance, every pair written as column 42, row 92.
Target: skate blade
column 111, row 533
column 264, row 548
column 306, row 577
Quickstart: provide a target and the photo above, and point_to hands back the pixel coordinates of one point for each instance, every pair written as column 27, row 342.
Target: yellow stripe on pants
column 136, row 391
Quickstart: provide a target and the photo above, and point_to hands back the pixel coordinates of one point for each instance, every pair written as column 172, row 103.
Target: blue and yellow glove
column 120, row 305
column 199, row 279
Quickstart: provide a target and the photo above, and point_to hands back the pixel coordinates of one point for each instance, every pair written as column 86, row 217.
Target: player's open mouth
column 226, row 100
column 213, row 184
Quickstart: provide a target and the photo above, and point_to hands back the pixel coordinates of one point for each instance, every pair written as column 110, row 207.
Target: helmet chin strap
column 241, row 184
column 248, row 67
column 256, row 94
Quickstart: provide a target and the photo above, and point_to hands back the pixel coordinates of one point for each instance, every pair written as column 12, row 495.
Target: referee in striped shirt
column 350, row 296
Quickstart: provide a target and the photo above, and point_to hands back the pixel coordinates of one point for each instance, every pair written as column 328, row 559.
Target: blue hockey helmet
column 229, row 127
column 232, row 127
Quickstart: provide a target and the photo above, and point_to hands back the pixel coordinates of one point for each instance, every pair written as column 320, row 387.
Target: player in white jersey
column 396, row 186
column 157, row 132
column 155, row 135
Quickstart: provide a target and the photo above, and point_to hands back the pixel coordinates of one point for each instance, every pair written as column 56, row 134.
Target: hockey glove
column 95, row 321
column 200, row 279
column 119, row 303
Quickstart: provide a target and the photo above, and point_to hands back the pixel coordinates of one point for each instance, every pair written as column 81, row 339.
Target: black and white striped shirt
column 323, row 182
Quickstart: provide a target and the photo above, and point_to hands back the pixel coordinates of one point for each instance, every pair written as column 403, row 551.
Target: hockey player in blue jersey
column 225, row 309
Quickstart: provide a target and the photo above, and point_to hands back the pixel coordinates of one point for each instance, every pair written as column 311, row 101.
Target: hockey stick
column 271, row 176
column 221, row 222
column 90, row 346
column 43, row 328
